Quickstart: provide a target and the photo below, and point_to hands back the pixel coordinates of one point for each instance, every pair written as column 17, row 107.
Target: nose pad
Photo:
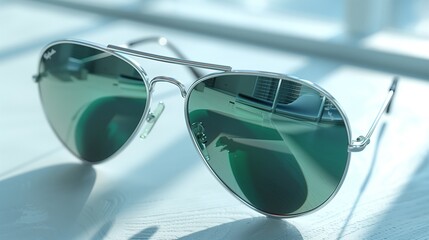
column 199, row 134
column 151, row 119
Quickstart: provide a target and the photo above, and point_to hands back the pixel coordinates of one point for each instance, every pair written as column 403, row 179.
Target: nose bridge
column 171, row 80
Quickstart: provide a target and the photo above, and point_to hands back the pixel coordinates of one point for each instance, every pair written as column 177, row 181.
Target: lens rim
column 102, row 48
column 307, row 83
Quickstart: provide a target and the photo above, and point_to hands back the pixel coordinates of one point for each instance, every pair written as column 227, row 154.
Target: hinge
column 359, row 144
column 36, row 78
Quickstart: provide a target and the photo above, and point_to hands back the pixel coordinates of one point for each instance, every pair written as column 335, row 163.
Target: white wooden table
column 159, row 188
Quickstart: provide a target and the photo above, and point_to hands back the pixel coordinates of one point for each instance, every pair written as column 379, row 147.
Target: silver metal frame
column 166, row 59
column 357, row 145
column 361, row 142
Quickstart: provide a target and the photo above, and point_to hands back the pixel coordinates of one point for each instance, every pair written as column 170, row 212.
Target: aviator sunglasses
column 278, row 143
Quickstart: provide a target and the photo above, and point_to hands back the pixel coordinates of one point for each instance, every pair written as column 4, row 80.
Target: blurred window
column 411, row 16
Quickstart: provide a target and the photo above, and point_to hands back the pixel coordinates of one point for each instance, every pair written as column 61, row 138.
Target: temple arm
column 362, row 141
column 162, row 41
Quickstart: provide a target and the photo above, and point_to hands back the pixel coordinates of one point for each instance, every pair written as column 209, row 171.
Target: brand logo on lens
column 47, row 55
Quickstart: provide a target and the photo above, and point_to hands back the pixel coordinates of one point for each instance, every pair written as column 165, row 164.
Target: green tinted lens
column 279, row 145
column 93, row 100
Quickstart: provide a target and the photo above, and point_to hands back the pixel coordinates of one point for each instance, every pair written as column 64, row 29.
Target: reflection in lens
column 93, row 100
column 277, row 144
